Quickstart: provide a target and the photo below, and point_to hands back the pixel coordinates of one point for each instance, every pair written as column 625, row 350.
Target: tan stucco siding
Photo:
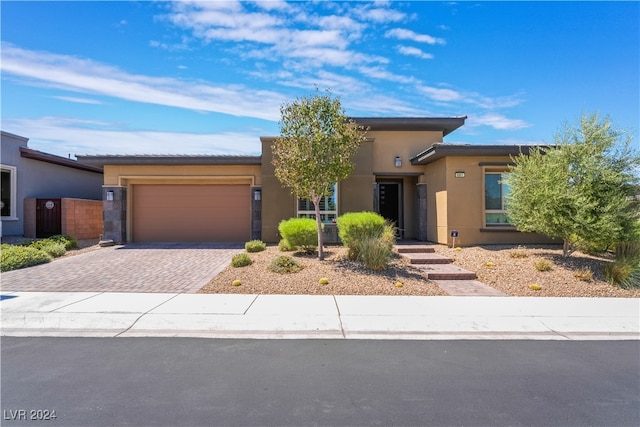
column 388, row 145
column 435, row 179
column 356, row 192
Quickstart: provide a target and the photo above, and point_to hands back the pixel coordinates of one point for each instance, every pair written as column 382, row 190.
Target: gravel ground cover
column 345, row 277
column 512, row 270
column 507, row 268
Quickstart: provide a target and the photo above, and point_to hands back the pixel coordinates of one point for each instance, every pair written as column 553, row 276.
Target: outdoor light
column 109, row 196
column 460, row 174
column 398, row 162
column 257, row 195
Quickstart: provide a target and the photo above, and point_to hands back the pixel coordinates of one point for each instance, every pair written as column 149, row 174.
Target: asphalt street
column 214, row 382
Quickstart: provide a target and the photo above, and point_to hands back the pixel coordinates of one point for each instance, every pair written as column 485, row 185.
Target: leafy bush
column 285, row 264
column 285, row 246
column 68, row 241
column 355, row 227
column 300, row 233
column 53, row 247
column 374, row 252
column 14, row 257
column 241, row 260
column 255, row 246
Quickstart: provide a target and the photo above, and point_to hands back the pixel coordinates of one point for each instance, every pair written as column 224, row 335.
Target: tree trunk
column 566, row 248
column 316, row 205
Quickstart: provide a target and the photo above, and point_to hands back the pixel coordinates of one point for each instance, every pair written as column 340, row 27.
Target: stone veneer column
column 422, row 212
column 256, row 213
column 114, row 215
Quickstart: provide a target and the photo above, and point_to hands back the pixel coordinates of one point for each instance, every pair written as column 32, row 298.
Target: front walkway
column 129, row 268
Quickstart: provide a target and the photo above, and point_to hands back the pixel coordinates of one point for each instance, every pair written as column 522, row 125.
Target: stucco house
column 44, row 194
column 404, row 171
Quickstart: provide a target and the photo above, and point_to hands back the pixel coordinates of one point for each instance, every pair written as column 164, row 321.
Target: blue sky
column 131, row 77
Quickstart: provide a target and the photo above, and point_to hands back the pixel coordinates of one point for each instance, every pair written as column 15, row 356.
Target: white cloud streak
column 404, row 34
column 86, row 76
column 62, row 136
column 496, row 121
column 414, row 51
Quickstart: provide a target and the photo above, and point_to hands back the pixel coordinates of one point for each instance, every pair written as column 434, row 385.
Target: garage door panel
column 191, row 213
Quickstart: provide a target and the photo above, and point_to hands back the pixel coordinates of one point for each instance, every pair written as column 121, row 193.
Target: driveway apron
column 129, row 268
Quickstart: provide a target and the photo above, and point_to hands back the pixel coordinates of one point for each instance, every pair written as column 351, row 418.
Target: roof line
column 29, row 153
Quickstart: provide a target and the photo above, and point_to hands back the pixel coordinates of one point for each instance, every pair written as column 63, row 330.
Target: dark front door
column 48, row 217
column 390, row 203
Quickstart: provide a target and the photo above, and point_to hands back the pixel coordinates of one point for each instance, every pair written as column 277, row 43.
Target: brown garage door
column 191, row 213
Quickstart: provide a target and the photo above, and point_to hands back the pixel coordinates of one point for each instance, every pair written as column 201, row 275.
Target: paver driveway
column 129, row 268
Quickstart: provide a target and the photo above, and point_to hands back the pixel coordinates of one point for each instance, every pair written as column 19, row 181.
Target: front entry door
column 390, row 203
column 48, row 217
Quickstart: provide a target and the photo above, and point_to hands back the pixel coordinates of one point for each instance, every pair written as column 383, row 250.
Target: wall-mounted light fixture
column 460, row 174
column 109, row 196
column 398, row 162
column 257, row 195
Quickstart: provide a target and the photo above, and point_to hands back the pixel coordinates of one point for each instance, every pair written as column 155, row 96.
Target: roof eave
column 169, row 160
column 439, row 151
column 29, row 153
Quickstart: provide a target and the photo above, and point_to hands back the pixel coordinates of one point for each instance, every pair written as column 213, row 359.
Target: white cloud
column 414, row 51
column 78, row 100
column 440, row 94
column 496, row 121
column 62, row 136
column 404, row 34
column 86, row 76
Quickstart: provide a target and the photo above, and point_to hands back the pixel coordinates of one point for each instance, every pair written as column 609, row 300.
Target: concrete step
column 414, row 249
column 468, row 288
column 426, row 258
column 446, row 272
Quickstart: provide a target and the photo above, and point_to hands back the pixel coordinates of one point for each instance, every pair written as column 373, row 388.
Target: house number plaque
column 49, row 204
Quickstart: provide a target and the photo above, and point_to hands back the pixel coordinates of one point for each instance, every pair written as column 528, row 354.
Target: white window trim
column 300, row 213
column 13, row 172
column 494, row 211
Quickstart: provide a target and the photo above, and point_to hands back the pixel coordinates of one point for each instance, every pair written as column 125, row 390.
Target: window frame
column 13, row 177
column 311, row 213
column 502, row 211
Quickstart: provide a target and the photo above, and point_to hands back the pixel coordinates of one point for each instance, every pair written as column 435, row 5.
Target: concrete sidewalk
column 324, row 316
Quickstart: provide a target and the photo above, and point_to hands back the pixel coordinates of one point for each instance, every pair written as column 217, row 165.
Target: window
column 495, row 191
column 8, row 192
column 328, row 207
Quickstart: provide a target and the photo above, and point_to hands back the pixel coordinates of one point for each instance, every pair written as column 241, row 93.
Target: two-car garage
column 180, row 198
column 191, row 213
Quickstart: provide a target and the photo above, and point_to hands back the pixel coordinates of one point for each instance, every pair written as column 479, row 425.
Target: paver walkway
column 130, row 268
column 450, row 278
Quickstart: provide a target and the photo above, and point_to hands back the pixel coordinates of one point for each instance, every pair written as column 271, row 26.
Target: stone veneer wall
column 82, row 218
column 115, row 215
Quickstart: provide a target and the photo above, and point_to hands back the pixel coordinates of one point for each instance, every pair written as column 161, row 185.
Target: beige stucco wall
column 391, row 144
column 458, row 203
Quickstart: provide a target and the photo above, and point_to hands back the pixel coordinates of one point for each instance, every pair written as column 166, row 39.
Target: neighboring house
column 403, row 170
column 38, row 184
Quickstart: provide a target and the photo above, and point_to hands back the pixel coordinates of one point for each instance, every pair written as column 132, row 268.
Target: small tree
column 579, row 189
column 314, row 149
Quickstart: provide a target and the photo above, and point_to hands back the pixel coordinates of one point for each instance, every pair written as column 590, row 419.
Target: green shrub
column 241, row 260
column 285, row 246
column 52, row 247
column 374, row 252
column 300, row 233
column 255, row 246
column 356, row 227
column 285, row 264
column 624, row 273
column 68, row 241
column 14, row 257
column 543, row 265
